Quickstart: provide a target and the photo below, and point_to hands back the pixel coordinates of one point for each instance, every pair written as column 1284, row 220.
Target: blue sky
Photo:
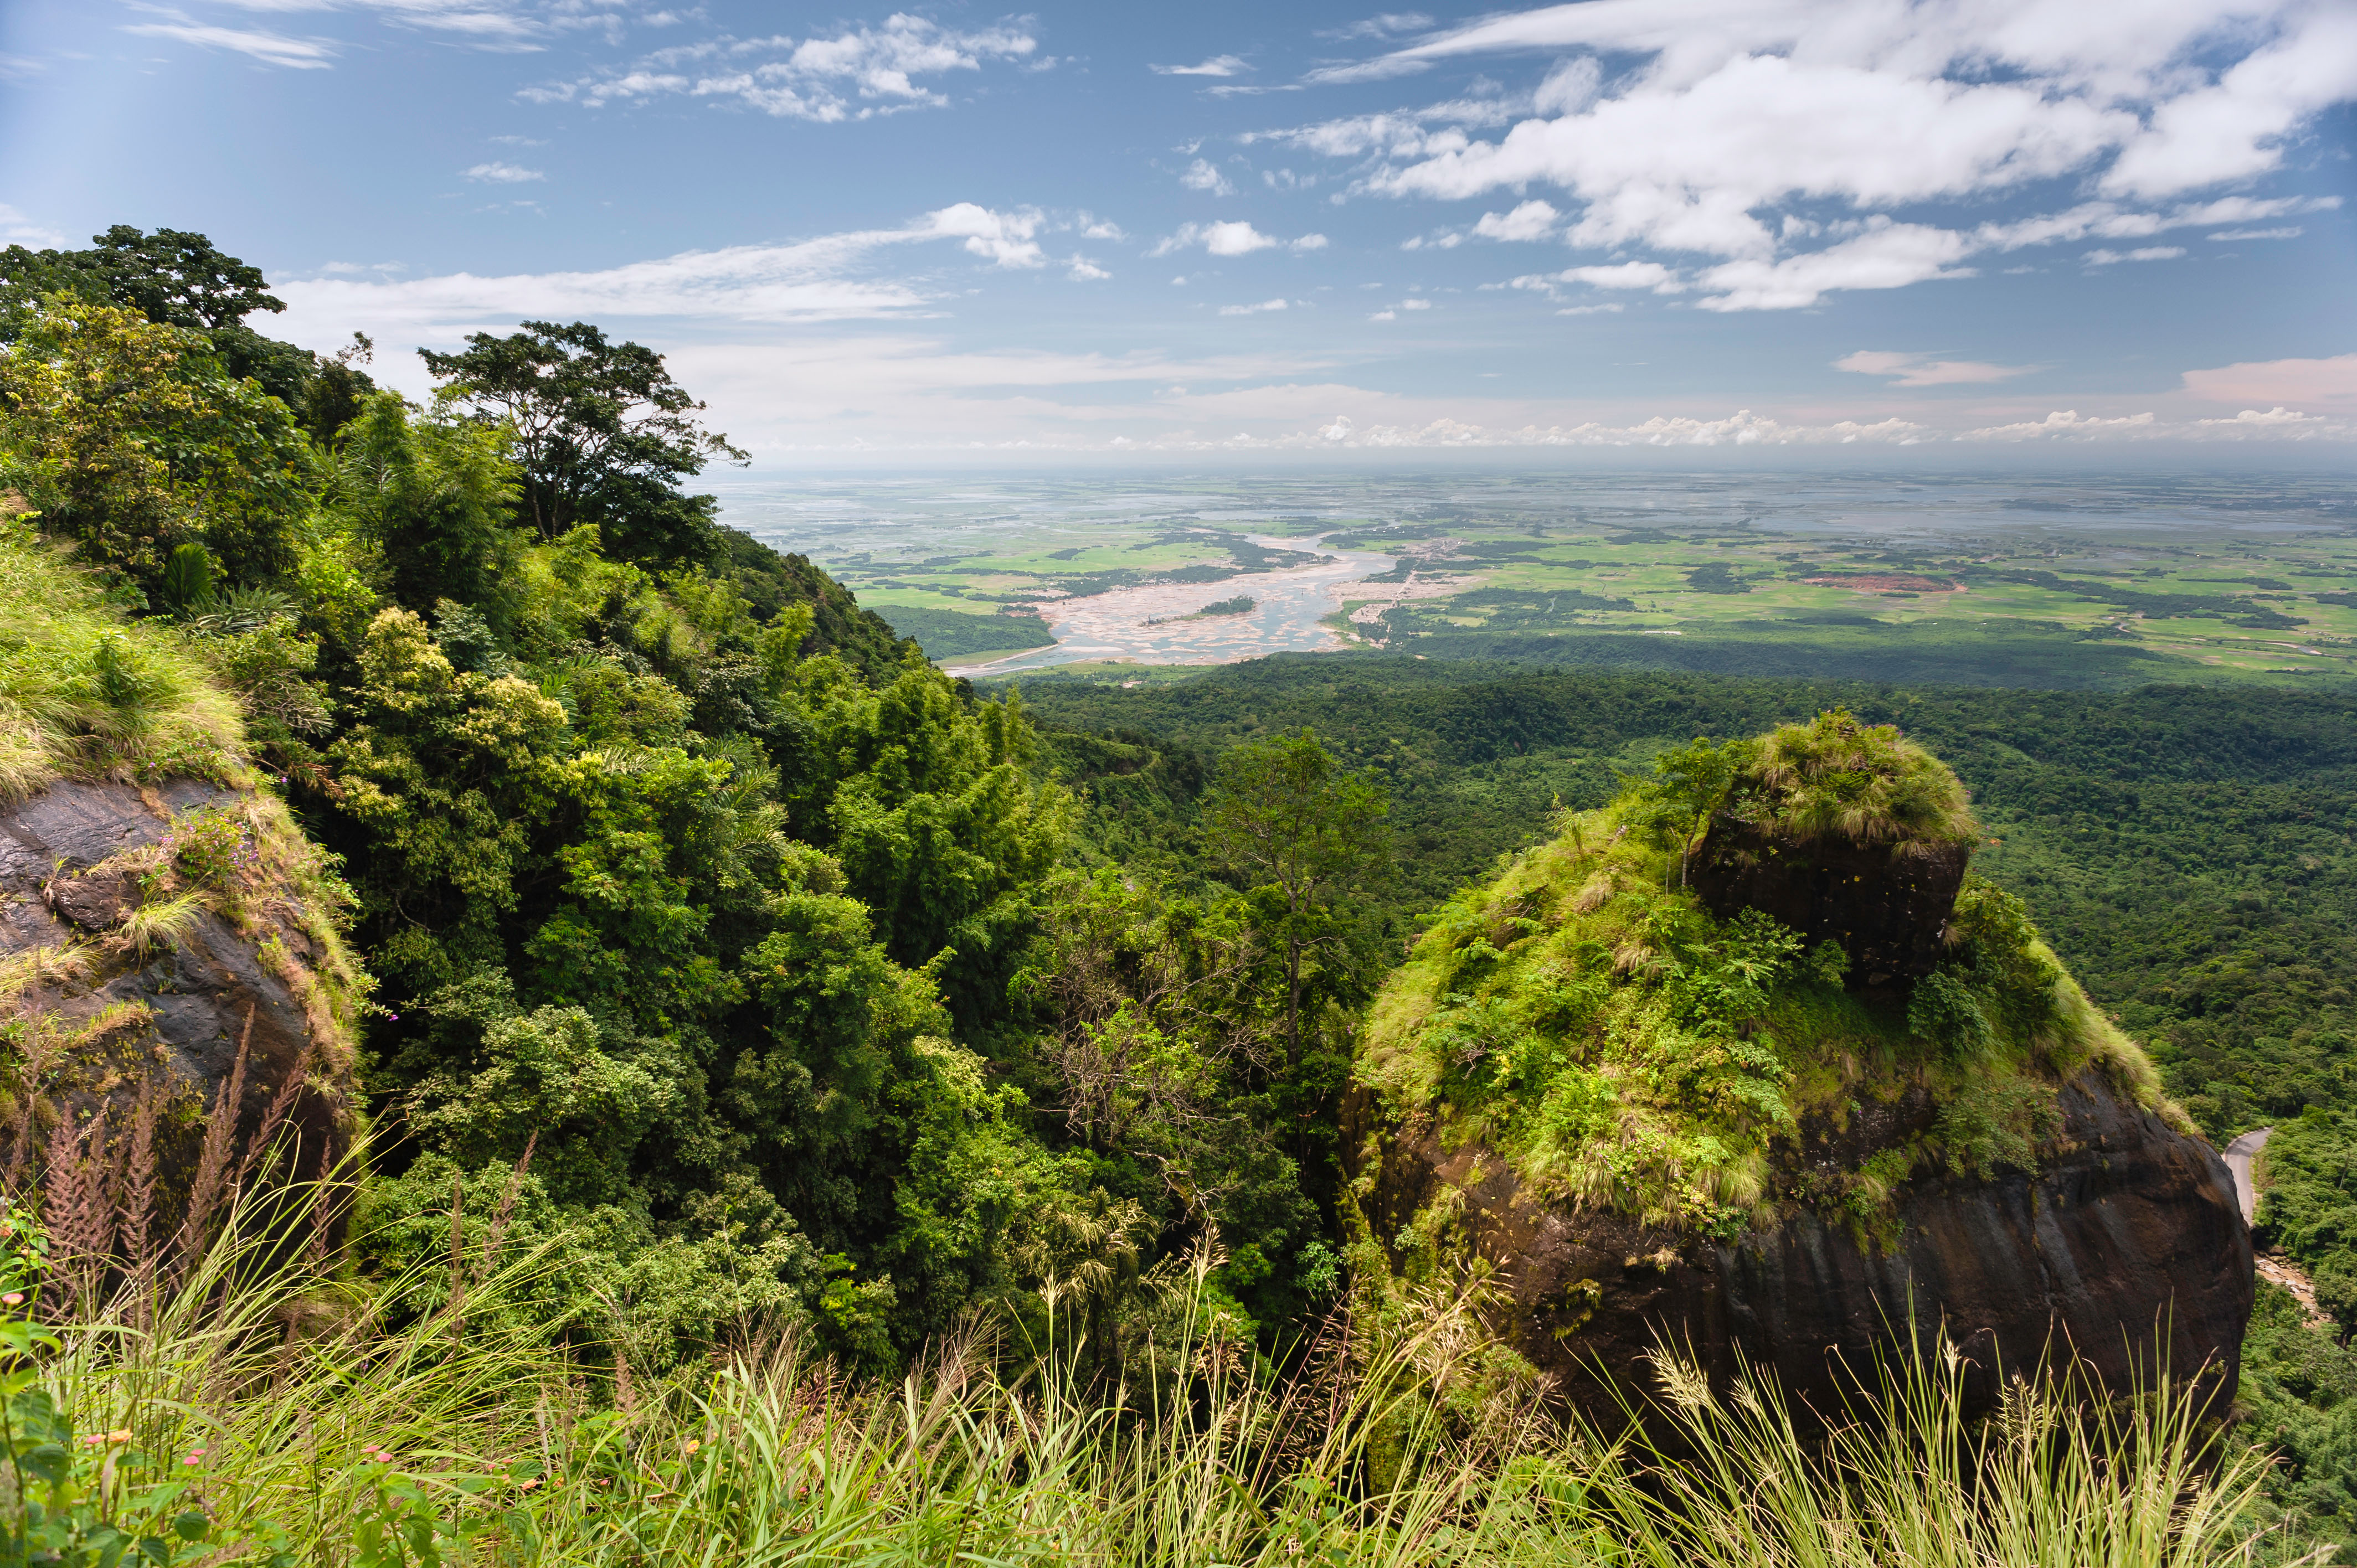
column 1871, row 223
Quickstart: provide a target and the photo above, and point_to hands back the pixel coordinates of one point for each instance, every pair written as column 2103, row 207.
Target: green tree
column 1284, row 811
column 605, row 434
column 131, row 438
column 431, row 498
column 174, row 278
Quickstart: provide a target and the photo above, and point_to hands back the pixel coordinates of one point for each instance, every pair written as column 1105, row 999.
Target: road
column 2238, row 1161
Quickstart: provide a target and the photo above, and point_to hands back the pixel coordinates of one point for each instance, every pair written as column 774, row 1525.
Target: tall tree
column 1286, row 813
column 175, row 278
column 605, row 434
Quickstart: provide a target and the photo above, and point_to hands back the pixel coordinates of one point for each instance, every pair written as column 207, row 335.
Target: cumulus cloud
column 1740, row 124
column 1237, row 238
column 502, row 173
column 1218, row 65
column 1530, row 221
column 1201, row 175
column 1264, row 306
column 1650, row 275
column 854, row 75
column 1923, row 370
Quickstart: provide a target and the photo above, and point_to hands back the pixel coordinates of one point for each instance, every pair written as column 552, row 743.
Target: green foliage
column 131, row 438
column 602, row 431
column 1585, row 1014
column 1284, row 814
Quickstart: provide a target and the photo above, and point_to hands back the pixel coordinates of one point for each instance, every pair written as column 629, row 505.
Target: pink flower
column 13, row 1298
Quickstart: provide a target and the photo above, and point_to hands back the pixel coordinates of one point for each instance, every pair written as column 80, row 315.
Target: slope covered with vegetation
column 739, row 982
column 1589, row 1015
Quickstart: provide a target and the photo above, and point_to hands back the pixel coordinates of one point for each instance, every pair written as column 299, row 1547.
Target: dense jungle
column 785, row 1089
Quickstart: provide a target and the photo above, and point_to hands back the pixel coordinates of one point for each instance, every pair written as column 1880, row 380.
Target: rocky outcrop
column 2125, row 1247
column 138, row 969
column 1886, row 905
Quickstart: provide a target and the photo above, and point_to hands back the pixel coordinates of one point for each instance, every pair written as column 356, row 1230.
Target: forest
column 727, row 977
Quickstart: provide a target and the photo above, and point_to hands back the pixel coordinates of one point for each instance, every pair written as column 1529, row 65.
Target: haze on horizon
column 1985, row 225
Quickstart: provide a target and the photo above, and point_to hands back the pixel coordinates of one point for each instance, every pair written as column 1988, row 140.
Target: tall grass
column 254, row 1411
column 86, row 693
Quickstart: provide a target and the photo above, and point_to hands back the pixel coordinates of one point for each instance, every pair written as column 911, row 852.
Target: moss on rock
column 1590, row 1014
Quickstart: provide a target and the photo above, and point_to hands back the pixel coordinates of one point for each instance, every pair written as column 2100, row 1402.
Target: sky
column 1936, row 225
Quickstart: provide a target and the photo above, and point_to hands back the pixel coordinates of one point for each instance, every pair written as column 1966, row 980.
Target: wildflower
column 692, row 1444
column 13, row 1298
column 527, row 1486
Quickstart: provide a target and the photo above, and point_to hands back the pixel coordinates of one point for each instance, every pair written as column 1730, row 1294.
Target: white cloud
column 15, row 229
column 497, row 25
column 1235, row 238
column 2312, row 383
column 1415, row 305
column 502, row 173
column 826, row 279
column 1888, row 255
column 2146, row 254
column 1626, row 274
column 1080, row 269
column 1388, row 24
column 1612, row 309
column 1742, row 121
column 855, row 75
column 1530, row 221
column 1923, row 370
column 1262, row 308
column 1098, row 228
column 1201, row 176
column 1384, row 316
column 2067, row 425
column 1004, row 238
column 254, row 43
column 2293, row 232
column 1218, row 65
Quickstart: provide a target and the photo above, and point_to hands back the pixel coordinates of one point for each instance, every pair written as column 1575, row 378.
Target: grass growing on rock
column 85, row 694
column 1588, row 1016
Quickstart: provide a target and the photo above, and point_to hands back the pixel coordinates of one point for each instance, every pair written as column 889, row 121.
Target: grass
column 1585, row 1013
column 86, row 694
column 261, row 1409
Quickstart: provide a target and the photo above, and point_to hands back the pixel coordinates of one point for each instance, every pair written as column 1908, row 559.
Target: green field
column 2095, row 582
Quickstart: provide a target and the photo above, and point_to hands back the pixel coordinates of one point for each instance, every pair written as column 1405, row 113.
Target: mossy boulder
column 1749, row 1059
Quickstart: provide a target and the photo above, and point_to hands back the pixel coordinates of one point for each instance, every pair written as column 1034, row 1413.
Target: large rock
column 2127, row 1242
column 259, row 972
column 1886, row 905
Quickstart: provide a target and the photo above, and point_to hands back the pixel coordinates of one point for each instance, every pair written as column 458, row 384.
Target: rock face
column 1886, row 905
column 2127, row 1239
column 107, row 1021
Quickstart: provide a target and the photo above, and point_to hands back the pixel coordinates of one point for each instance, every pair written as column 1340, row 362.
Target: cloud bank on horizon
column 1608, row 223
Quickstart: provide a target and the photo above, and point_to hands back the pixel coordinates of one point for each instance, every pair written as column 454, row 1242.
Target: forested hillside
column 734, row 943
column 735, row 978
